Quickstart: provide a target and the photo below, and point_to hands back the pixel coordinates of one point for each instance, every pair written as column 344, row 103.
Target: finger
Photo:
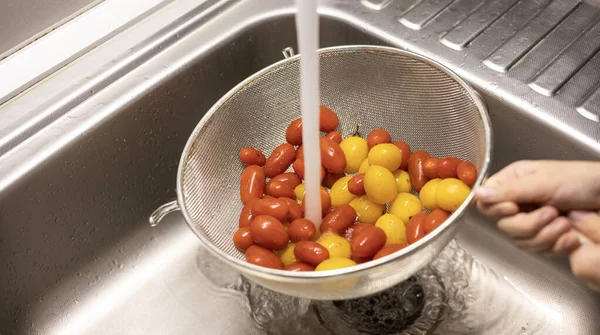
column 566, row 244
column 587, row 223
column 519, row 182
column 525, row 225
column 498, row 210
column 512, row 171
column 547, row 237
column 585, row 264
column 519, row 191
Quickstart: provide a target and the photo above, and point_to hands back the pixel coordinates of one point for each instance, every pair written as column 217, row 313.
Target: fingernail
column 485, row 193
column 566, row 244
column 561, row 225
column 547, row 215
column 506, row 210
column 569, row 243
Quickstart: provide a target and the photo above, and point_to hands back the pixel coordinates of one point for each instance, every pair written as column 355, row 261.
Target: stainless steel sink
column 77, row 187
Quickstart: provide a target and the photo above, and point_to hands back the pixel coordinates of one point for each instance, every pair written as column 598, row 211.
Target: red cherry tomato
column 269, row 232
column 415, row 169
column 246, row 214
column 447, row 167
column 331, row 178
column 252, row 183
column 355, row 229
column 414, row 229
column 467, row 172
column 301, row 230
column 310, row 252
column 430, row 167
column 242, row 239
column 405, row 148
column 356, row 184
column 335, row 136
column 328, row 120
column 300, row 152
column 360, row 260
column 279, row 189
column 289, row 178
column 389, row 249
column 280, row 160
column 251, row 156
column 338, row 220
column 299, row 267
column 277, row 208
column 295, row 211
column 378, row 136
column 293, row 134
column 367, row 242
column 299, row 169
column 260, row 256
column 435, row 219
column 332, row 156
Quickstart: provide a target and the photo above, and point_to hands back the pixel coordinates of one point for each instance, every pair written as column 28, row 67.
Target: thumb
column 520, row 182
column 587, row 224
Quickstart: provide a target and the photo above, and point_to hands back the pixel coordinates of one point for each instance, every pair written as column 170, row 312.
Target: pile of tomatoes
column 368, row 208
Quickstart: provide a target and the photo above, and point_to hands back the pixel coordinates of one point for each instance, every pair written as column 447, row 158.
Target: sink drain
column 414, row 306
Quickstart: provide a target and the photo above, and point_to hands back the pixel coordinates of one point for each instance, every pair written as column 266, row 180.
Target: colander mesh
column 415, row 101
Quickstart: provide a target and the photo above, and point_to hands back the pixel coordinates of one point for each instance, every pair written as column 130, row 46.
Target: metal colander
column 415, row 99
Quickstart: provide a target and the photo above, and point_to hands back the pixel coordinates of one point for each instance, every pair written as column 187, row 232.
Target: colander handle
column 163, row 211
column 288, row 52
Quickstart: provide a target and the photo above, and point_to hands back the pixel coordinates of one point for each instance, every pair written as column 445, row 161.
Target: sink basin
column 78, row 253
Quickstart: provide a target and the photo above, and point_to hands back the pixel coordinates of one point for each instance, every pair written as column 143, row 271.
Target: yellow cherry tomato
column 287, row 255
column 367, row 210
column 336, row 245
column 405, row 205
column 387, row 155
column 335, row 263
column 403, row 181
column 364, row 166
column 393, row 227
column 356, row 150
column 300, row 190
column 339, row 192
column 427, row 194
column 451, row 193
column 380, row 184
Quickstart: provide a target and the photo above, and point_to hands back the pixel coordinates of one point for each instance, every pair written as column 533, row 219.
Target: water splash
column 277, row 313
column 455, row 294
